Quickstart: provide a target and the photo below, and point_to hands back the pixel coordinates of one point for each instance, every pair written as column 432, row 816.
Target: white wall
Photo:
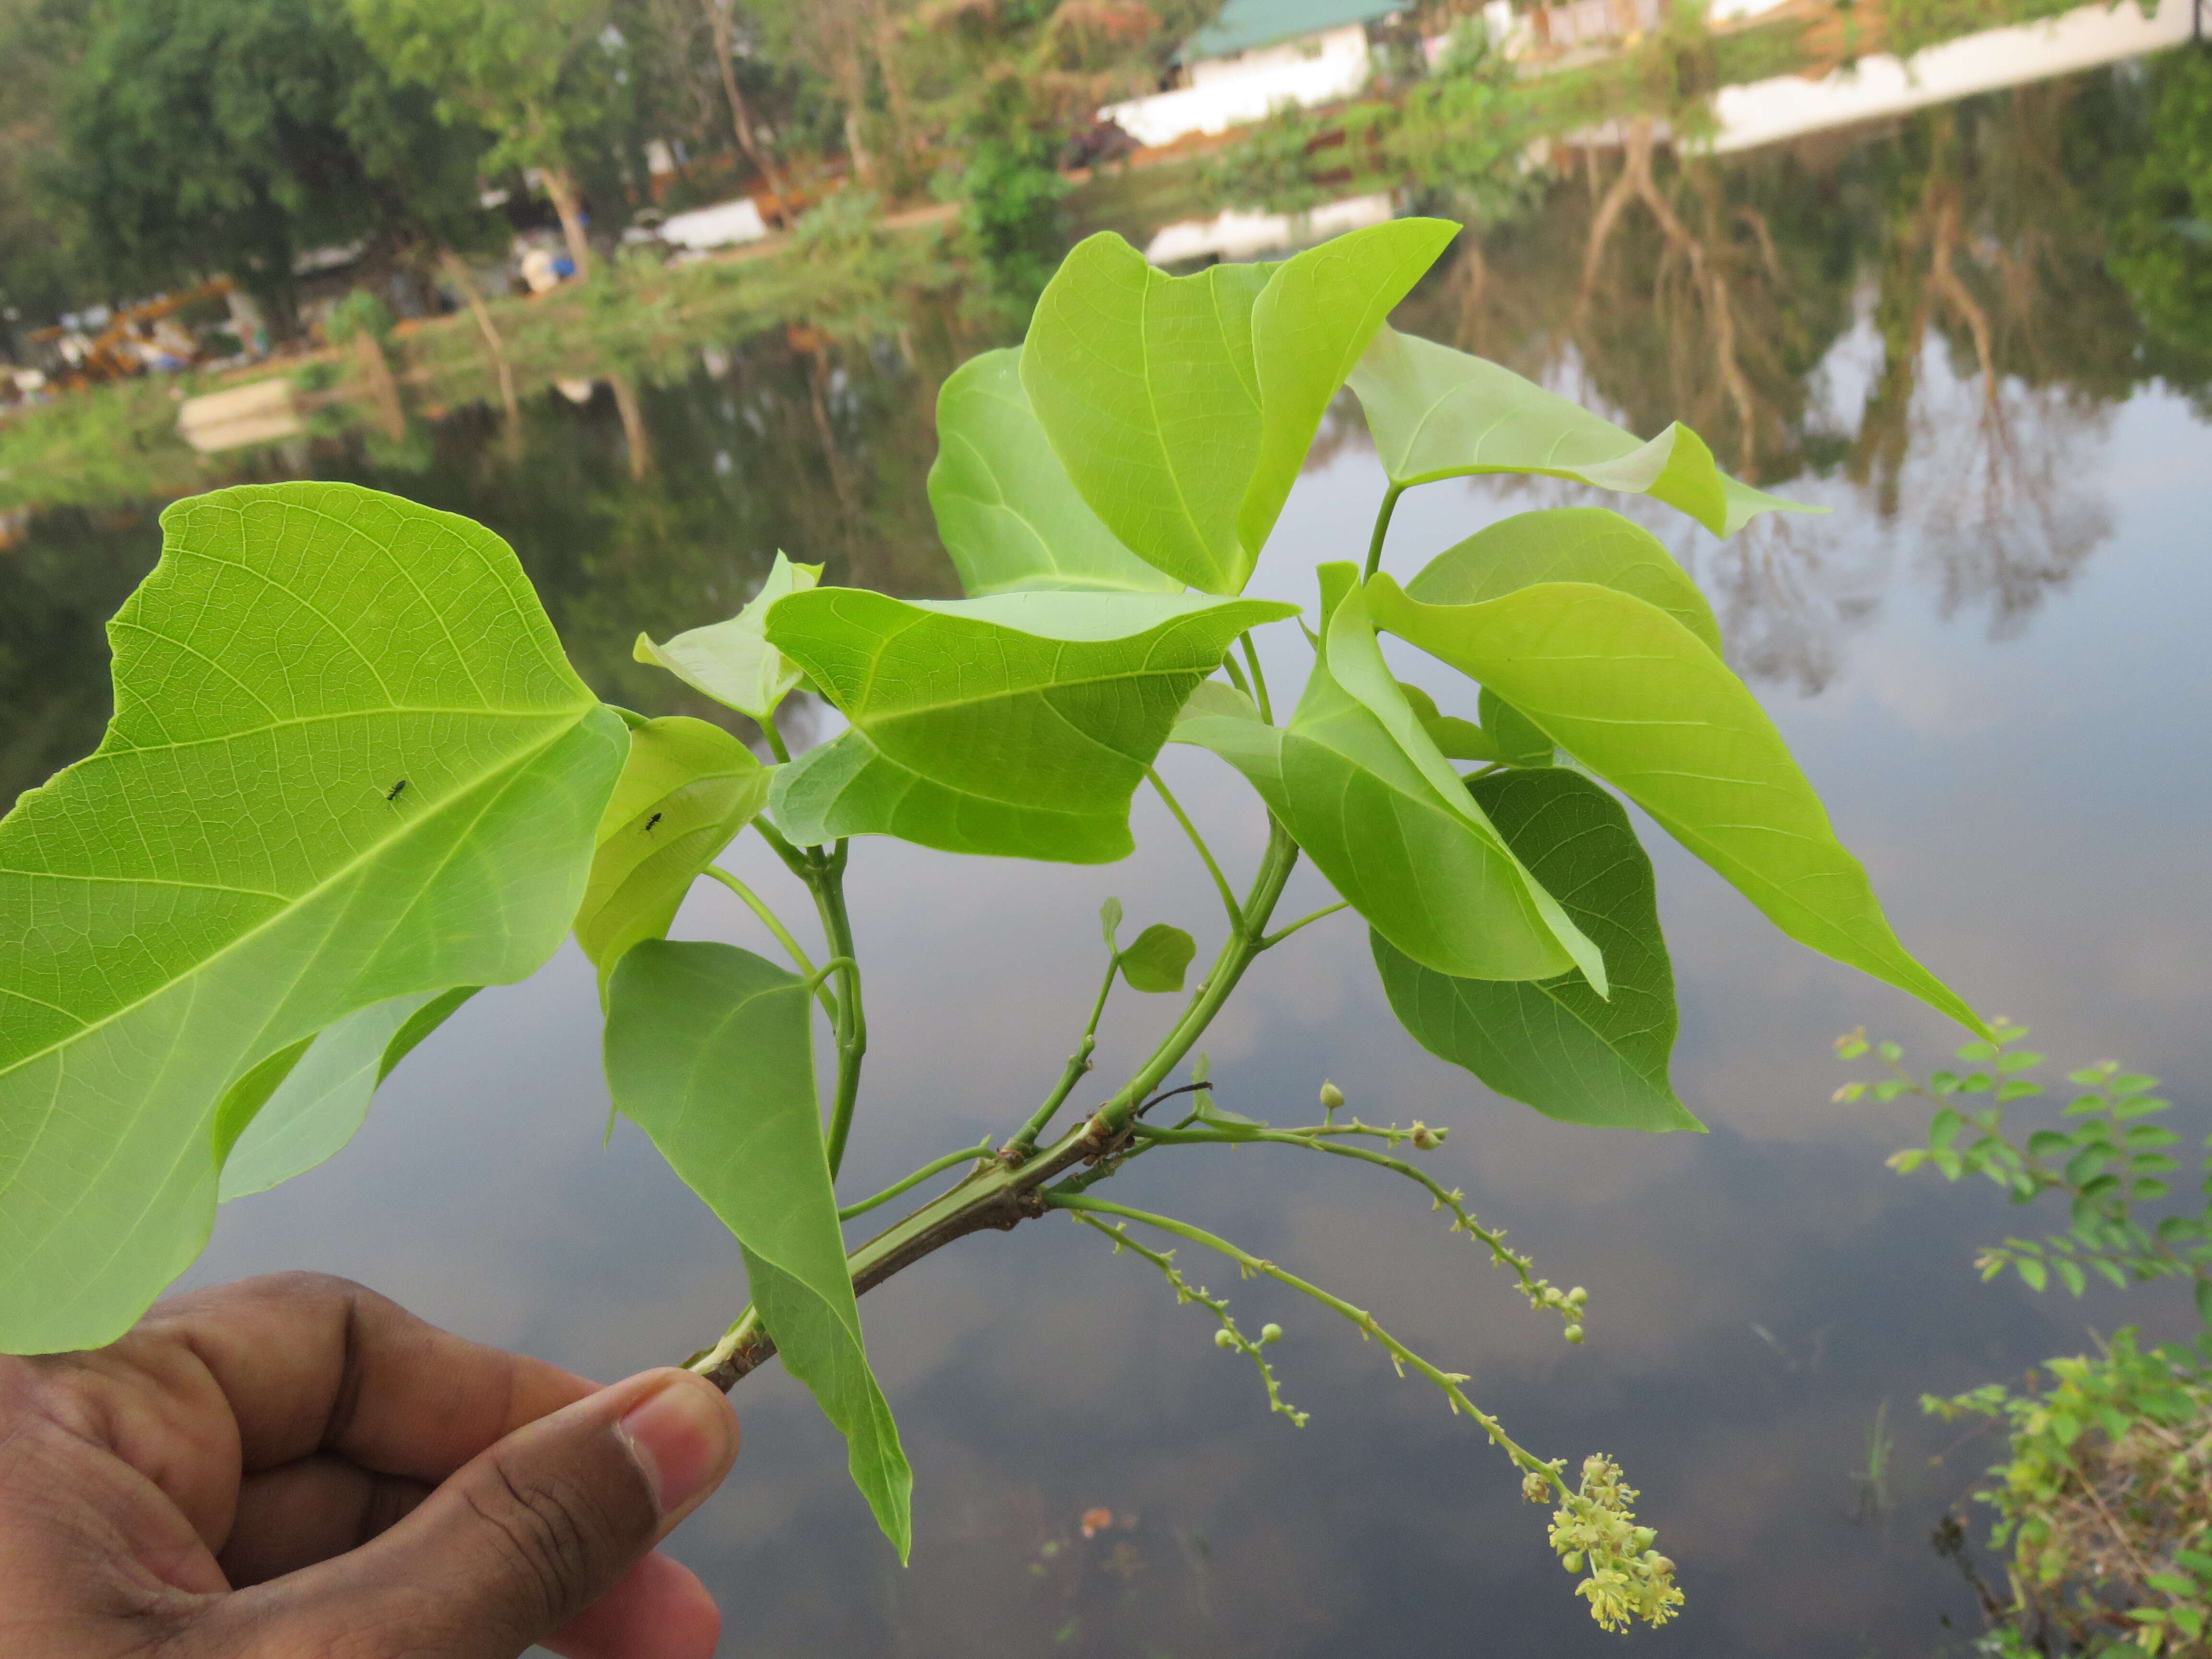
column 1234, row 235
column 1235, row 91
column 1789, row 105
column 718, row 226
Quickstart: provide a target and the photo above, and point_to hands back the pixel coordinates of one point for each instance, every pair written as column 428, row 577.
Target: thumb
column 532, row 1532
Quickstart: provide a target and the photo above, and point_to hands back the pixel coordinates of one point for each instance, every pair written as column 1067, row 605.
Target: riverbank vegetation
column 2102, row 1504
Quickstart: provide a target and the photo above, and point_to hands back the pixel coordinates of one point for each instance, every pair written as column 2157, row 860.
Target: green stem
column 1237, row 677
column 1400, row 1355
column 1079, row 1063
column 1238, row 951
column 1220, row 882
column 775, row 739
column 852, row 1030
column 1216, row 1305
column 769, row 920
column 1007, row 1191
column 1382, row 528
column 936, row 1166
column 1539, row 1294
column 800, row 861
column 1259, row 678
column 1277, row 936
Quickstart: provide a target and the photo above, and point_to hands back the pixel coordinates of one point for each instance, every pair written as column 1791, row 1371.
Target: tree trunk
column 636, row 439
column 497, row 347
column 561, row 185
column 383, row 391
column 718, row 18
column 895, row 87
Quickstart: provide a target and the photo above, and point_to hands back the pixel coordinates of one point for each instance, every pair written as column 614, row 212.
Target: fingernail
column 680, row 1435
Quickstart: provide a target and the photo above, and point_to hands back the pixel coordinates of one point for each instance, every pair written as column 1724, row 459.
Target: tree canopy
column 234, row 136
column 525, row 71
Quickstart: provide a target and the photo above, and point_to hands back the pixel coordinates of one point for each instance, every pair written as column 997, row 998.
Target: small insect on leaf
column 654, row 819
column 393, row 793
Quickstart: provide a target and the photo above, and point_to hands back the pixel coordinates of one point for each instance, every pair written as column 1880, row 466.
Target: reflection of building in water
column 1257, row 55
column 1881, row 85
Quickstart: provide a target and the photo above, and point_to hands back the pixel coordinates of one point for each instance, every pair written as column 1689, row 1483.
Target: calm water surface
column 1990, row 656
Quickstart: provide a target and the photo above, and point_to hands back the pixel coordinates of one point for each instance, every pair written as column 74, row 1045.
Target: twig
column 1220, row 882
column 769, row 920
column 936, row 1166
column 1401, row 1356
column 1216, row 1305
column 1541, row 1293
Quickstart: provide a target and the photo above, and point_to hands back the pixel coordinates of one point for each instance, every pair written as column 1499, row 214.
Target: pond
column 1988, row 655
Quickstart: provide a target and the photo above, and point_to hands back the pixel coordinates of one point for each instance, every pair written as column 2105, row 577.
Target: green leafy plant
column 2104, row 1500
column 2103, row 1152
column 352, row 778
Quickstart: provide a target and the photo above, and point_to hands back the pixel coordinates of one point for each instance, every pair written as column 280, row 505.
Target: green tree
column 39, row 40
column 233, row 135
column 2162, row 234
column 531, row 72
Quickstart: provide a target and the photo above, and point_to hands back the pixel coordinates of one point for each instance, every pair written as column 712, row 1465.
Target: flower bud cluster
column 1568, row 1304
column 1595, row 1528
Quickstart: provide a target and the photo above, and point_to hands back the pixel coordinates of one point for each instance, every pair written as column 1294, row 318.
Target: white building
column 1258, row 54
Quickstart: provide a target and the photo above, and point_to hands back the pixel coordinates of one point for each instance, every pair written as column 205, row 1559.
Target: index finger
column 309, row 1362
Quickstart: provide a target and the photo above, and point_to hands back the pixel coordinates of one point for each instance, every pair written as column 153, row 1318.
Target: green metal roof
column 1244, row 24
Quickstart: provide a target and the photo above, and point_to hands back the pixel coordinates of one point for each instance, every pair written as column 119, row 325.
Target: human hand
column 295, row 1468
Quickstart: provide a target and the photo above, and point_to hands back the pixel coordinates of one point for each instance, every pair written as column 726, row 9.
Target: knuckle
column 553, row 1536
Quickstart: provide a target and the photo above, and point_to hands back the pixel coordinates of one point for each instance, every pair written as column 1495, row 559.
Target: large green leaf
column 709, row 1050
column 732, row 661
column 1555, row 1044
column 1017, row 725
column 1437, row 413
column 1182, row 406
column 687, row 790
column 301, row 1107
column 1005, row 509
column 1566, row 544
column 1643, row 702
column 237, row 866
column 1310, row 326
column 1370, row 800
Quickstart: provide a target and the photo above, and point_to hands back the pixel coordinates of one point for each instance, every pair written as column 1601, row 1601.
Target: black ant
column 650, row 822
column 393, row 793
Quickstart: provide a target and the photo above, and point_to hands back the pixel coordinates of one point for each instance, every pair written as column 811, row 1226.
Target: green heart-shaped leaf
column 1644, row 704
column 348, row 762
column 1566, row 544
column 1437, row 413
column 1005, row 509
column 732, row 661
column 709, row 1050
column 1158, row 958
column 1363, row 791
column 687, row 791
column 1017, row 725
column 301, row 1107
column 1182, row 407
column 1555, row 1044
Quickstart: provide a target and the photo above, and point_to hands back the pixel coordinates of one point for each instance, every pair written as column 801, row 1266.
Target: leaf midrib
column 372, row 849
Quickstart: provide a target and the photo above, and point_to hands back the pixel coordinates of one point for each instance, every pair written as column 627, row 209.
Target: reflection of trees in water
column 1965, row 254
column 58, row 586
column 651, row 506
